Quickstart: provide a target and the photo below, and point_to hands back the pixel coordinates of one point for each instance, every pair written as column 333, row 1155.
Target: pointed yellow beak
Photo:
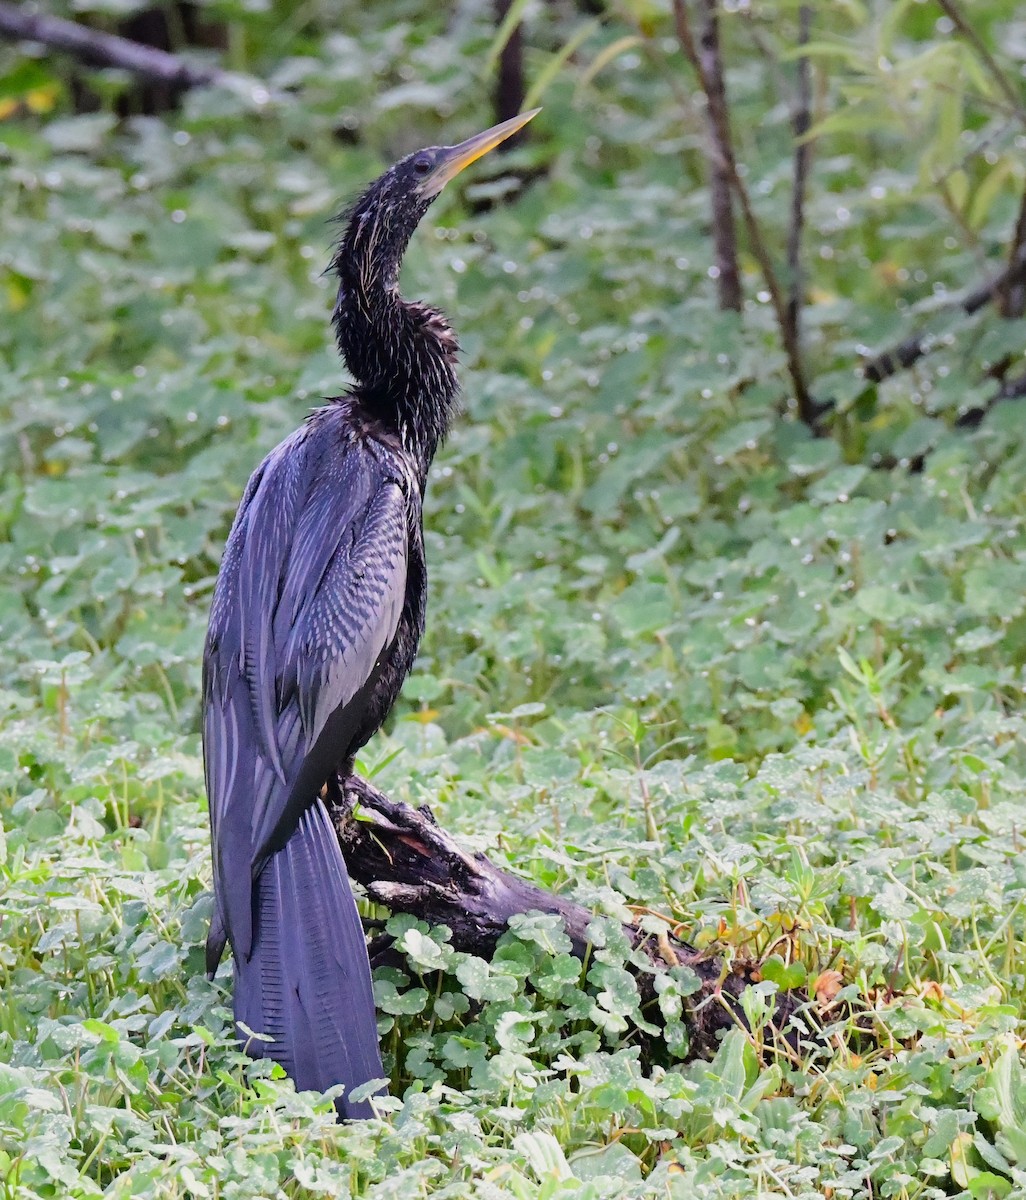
column 453, row 159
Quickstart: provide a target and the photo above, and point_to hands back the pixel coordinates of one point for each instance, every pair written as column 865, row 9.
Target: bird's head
column 381, row 222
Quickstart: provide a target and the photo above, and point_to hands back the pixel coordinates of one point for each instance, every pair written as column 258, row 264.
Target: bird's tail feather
column 307, row 984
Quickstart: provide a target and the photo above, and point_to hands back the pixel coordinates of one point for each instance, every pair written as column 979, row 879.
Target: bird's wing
column 309, row 597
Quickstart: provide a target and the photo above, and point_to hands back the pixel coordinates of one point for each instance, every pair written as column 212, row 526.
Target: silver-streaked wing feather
column 309, row 597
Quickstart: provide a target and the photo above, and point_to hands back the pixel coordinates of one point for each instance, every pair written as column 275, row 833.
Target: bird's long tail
column 307, row 982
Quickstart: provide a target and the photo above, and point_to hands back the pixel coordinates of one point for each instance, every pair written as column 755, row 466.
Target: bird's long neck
column 403, row 355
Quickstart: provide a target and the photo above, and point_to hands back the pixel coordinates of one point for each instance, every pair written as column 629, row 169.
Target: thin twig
column 1005, row 85
column 704, row 56
column 1012, row 388
column 801, row 120
column 408, row 862
column 722, row 147
column 1013, row 294
column 898, row 357
column 909, row 351
column 103, row 49
column 509, row 82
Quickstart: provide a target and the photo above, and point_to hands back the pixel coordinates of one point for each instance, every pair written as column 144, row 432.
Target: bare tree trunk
column 728, row 279
column 509, row 84
column 907, row 353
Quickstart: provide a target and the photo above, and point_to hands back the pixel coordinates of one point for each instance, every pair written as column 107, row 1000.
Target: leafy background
column 682, row 654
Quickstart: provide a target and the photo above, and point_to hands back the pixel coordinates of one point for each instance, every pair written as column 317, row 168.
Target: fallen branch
column 103, row 49
column 408, row 863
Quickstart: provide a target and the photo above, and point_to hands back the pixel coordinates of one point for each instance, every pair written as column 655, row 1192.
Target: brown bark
column 907, row 353
column 509, row 84
column 728, row 279
column 102, row 49
column 408, row 863
column 722, row 150
column 801, row 120
column 1012, row 302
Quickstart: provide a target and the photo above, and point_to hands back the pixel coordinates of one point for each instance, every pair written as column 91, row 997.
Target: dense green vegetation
column 682, row 654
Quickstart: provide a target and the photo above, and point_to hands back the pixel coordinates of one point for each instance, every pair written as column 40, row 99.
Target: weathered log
column 407, row 862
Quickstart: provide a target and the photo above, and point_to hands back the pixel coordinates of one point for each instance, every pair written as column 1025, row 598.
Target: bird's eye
column 422, row 165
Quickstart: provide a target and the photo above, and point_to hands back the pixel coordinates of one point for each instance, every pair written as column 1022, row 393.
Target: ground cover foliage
column 682, row 654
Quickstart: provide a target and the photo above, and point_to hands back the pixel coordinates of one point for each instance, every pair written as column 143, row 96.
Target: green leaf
column 785, row 976
column 481, row 983
column 543, row 1154
column 614, row 1161
column 423, row 951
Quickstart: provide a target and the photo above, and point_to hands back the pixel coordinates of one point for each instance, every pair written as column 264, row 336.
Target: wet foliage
column 685, row 657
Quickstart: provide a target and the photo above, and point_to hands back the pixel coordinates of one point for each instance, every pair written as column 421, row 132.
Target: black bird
column 315, row 622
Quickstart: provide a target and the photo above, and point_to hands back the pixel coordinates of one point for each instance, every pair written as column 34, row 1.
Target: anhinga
column 315, row 622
